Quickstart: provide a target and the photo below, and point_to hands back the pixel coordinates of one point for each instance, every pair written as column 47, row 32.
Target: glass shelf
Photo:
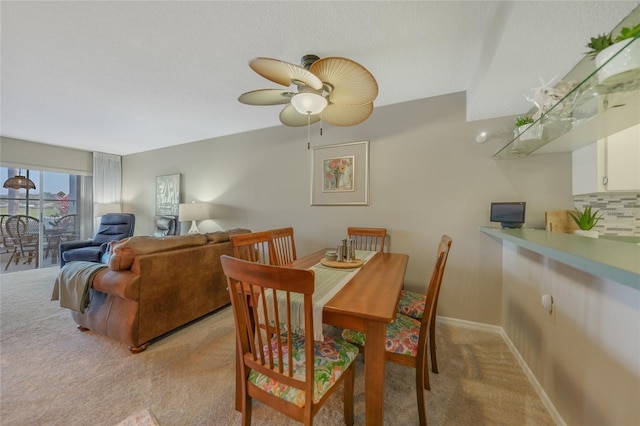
column 591, row 110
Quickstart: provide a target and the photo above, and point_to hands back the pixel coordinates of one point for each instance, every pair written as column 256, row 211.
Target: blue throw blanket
column 73, row 284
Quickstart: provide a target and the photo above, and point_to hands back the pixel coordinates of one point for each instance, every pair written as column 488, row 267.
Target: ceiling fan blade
column 340, row 115
column 353, row 84
column 289, row 116
column 284, row 73
column 266, row 97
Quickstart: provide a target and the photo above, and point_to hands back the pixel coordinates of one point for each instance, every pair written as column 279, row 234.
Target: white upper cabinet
column 611, row 164
column 623, row 160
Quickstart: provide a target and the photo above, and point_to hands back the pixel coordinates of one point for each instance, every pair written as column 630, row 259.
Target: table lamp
column 192, row 212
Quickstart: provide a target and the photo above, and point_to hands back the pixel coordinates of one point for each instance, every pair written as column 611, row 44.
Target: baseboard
column 555, row 416
column 470, row 324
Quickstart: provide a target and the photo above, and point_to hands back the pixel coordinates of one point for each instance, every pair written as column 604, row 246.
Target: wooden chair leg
column 246, row 408
column 420, row 386
column 13, row 256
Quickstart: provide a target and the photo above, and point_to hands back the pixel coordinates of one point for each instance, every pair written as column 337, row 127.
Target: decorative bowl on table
column 331, row 255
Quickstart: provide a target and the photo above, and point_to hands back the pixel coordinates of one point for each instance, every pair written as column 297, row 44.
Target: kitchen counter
column 614, row 260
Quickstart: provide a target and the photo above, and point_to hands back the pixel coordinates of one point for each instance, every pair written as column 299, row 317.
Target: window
column 57, row 203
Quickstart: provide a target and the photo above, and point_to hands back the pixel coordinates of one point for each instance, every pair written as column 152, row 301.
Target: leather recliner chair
column 113, row 227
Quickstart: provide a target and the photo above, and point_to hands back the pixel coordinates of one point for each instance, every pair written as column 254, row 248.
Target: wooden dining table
column 368, row 302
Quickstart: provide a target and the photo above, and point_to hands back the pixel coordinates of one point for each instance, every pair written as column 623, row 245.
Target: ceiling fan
column 336, row 90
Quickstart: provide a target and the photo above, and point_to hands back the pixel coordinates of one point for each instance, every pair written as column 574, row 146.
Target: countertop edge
column 615, row 261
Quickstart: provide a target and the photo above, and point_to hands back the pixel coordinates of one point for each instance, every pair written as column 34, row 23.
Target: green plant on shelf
column 599, row 43
column 523, row 121
column 628, row 32
column 602, row 41
column 586, row 219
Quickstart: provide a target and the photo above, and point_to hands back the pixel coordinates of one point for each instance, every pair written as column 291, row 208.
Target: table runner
column 328, row 282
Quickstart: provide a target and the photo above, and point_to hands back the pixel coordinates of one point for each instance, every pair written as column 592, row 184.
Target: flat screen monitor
column 510, row 215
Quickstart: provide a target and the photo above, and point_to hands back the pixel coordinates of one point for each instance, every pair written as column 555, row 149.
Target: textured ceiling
column 125, row 77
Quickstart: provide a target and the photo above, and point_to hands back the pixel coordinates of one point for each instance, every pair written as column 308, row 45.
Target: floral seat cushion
column 402, row 336
column 412, row 304
column 331, row 358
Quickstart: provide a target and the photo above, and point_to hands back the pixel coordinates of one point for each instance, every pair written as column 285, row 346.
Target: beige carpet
column 53, row 374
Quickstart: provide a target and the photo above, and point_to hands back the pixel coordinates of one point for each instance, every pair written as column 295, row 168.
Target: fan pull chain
column 308, row 130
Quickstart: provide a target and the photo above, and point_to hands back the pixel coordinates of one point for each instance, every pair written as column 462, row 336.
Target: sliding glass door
column 58, row 204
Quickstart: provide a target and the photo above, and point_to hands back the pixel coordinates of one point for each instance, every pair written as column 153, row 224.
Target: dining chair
column 284, row 245
column 413, row 304
column 284, row 369
column 368, row 238
column 24, row 233
column 406, row 339
column 6, row 245
column 68, row 223
column 254, row 247
column 64, row 228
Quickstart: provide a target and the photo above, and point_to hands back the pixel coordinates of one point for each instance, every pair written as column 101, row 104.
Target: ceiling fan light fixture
column 308, row 103
column 336, row 90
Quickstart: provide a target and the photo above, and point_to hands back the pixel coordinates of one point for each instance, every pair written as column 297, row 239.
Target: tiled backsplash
column 621, row 212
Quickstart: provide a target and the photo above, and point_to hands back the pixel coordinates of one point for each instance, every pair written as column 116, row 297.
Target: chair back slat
column 284, row 245
column 255, row 247
column 371, row 239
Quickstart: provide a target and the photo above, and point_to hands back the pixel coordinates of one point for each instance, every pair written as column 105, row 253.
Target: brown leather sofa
column 155, row 285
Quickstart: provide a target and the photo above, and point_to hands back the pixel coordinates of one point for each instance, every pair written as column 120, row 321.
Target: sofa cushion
column 239, row 231
column 223, row 236
column 124, row 252
column 217, row 237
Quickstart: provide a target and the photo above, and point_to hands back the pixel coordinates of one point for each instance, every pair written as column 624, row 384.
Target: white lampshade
column 308, row 103
column 192, row 212
column 100, row 209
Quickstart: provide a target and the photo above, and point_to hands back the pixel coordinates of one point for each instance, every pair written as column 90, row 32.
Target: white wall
column 428, row 177
column 586, row 356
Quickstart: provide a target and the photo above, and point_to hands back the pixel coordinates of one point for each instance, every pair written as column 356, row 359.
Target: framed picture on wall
column 340, row 174
column 167, row 195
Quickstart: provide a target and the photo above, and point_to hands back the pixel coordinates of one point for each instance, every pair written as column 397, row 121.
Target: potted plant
column 598, row 44
column 523, row 121
column 523, row 130
column 604, row 47
column 586, row 220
